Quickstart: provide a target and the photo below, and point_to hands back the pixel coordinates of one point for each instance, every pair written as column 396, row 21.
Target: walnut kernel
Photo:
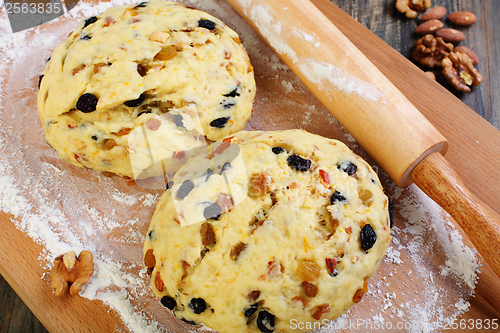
column 411, row 7
column 71, row 273
column 460, row 72
column 430, row 51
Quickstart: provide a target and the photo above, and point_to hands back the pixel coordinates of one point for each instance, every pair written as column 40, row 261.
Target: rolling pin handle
column 440, row 182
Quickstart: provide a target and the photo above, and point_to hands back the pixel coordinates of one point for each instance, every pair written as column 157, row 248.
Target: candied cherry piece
column 168, row 302
column 298, row 163
column 89, row 21
column 336, row 196
column 331, row 266
column 368, row 237
column 219, row 122
column 213, row 211
column 265, row 322
column 135, row 102
column 87, row 103
column 198, row 305
column 186, row 187
column 207, row 24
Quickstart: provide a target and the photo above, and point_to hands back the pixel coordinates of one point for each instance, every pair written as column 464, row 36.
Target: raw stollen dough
column 140, row 83
column 267, row 231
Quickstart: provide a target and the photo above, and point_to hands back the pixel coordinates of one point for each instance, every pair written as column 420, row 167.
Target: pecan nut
column 460, row 72
column 430, row 51
column 71, row 273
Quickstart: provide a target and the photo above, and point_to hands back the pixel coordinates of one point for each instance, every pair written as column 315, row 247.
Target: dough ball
column 139, row 83
column 267, row 232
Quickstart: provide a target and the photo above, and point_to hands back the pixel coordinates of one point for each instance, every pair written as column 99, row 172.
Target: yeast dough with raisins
column 269, row 230
column 137, row 83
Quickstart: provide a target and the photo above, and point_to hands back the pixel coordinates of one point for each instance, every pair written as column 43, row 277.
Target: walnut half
column 411, row 7
column 70, row 272
column 429, row 51
column 460, row 72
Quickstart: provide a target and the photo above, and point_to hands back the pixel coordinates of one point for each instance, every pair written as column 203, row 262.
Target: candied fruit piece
column 325, row 178
column 168, row 302
column 198, row 305
column 109, row 144
column 298, row 163
column 186, row 187
column 366, row 196
column 368, row 237
column 166, row 53
column 308, row 270
column 275, row 269
column 87, row 103
column 358, row 295
column 254, row 295
column 160, row 286
column 265, row 322
column 207, row 24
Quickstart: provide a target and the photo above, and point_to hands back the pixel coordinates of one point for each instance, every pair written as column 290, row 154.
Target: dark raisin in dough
column 86, row 37
column 212, row 212
column 40, row 80
column 143, row 112
column 186, row 187
column 169, row 185
column 89, row 21
column 277, row 150
column 336, row 196
column 251, row 310
column 226, row 166
column 349, row 168
column 141, row 5
column 86, row 103
column 298, row 163
column 135, row 102
column 178, row 120
column 265, row 322
column 168, row 302
column 227, row 104
column 391, row 212
column 208, row 173
column 219, row 122
column 210, row 25
column 198, row 305
column 190, row 322
column 368, row 237
column 233, row 93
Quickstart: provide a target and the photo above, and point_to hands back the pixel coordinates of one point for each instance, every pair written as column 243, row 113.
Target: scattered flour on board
column 115, row 282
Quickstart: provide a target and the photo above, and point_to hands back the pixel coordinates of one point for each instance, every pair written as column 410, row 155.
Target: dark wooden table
column 381, row 17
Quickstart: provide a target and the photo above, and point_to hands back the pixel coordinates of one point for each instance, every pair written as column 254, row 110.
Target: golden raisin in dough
column 155, row 78
column 295, row 240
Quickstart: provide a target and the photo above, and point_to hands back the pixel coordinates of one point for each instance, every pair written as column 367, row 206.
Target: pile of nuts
column 436, row 47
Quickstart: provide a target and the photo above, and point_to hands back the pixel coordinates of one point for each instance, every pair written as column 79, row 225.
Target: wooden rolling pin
column 400, row 139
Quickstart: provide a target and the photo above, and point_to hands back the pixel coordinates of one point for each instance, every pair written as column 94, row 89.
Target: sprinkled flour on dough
column 64, row 208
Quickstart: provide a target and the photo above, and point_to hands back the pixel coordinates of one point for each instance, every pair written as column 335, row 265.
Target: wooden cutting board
column 281, row 103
